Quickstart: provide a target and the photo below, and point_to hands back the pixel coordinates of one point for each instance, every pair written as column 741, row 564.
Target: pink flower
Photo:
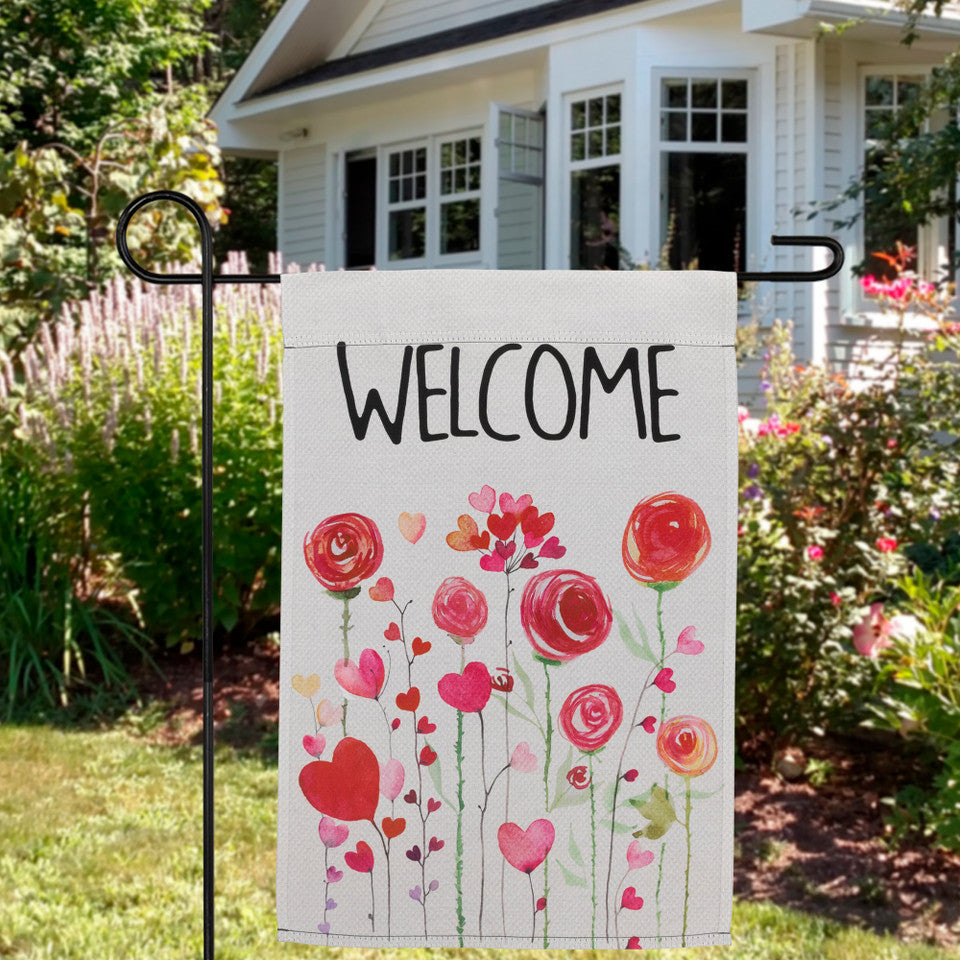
column 332, row 834
column 365, row 679
column 577, row 778
column 329, row 715
column 835, row 598
column 815, row 552
column 459, row 609
column 526, row 849
column 469, row 691
column 637, row 857
column 523, row 761
column 742, row 414
column 886, row 544
column 541, row 904
column 872, row 634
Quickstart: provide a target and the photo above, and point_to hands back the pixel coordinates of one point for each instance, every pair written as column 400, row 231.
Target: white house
column 530, row 134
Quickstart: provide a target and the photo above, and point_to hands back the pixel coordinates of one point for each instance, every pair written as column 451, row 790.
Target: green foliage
column 833, row 483
column 55, row 635
column 109, row 418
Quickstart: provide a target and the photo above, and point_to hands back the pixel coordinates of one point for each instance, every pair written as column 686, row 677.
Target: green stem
column 345, row 627
column 546, row 801
column 663, row 847
column 663, row 713
column 593, row 864
column 461, row 919
column 686, row 875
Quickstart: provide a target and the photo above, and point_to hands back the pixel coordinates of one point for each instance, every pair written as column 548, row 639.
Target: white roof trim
column 357, row 30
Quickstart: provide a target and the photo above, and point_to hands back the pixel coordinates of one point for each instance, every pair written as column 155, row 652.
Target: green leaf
column 617, row 827
column 641, row 650
column 517, row 713
column 525, row 681
column 571, row 879
column 574, row 850
column 658, row 810
column 562, row 770
column 572, row 798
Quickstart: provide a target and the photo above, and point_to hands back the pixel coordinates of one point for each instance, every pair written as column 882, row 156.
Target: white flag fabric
column 508, row 608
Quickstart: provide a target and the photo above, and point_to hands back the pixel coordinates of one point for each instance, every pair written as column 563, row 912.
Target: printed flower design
column 365, row 679
column 687, row 745
column 577, row 777
column 459, row 609
column 564, row 614
column 343, row 550
column 590, row 716
column 666, row 539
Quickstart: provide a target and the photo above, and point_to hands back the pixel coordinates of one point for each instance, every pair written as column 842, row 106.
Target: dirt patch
column 817, row 849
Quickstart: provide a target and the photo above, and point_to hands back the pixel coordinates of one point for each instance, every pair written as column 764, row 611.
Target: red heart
column 420, row 646
column 634, row 944
column 435, row 844
column 393, row 828
column 410, row 796
column 409, row 700
column 526, row 849
column 433, row 805
column 425, row 726
column 395, row 725
column 346, row 787
column 538, row 526
column 427, row 756
column 529, row 562
column 664, row 682
column 506, row 550
column 630, row 900
column 502, row 527
column 382, row 590
column 360, row 860
column 552, row 549
column 480, row 542
column 468, row 691
column 392, row 632
column 649, row 724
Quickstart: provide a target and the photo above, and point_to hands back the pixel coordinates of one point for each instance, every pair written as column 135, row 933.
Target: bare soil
column 819, row 849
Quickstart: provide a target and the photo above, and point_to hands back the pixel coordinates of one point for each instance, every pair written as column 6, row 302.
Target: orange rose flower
column 666, row 539
column 687, row 745
column 343, row 550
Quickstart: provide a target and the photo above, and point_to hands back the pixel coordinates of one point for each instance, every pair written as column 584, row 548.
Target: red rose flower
column 666, row 539
column 459, row 609
column 564, row 614
column 590, row 716
column 687, row 745
column 577, row 778
column 343, row 550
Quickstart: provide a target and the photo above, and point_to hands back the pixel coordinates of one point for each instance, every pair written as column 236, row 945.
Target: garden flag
column 509, row 565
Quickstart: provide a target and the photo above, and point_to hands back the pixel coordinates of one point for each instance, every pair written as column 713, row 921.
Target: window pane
column 407, row 161
column 446, row 181
column 394, row 164
column 460, row 180
column 878, row 123
column 908, row 89
column 460, row 152
column 879, row 91
column 473, row 178
column 884, row 223
column 577, row 115
column 421, row 159
column 673, row 125
column 703, row 127
column 595, row 143
column 705, row 205
column 613, row 108
column 460, row 226
column 506, row 125
column 734, row 128
column 595, row 217
column 445, row 154
column 407, row 191
column 704, row 93
column 735, row 94
column 613, row 139
column 577, row 147
column 595, row 112
column 674, row 93
column 394, row 191
column 406, row 234
column 421, row 182
column 473, row 149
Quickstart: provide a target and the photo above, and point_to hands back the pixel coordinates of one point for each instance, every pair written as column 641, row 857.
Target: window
column 432, row 199
column 594, row 161
column 704, row 138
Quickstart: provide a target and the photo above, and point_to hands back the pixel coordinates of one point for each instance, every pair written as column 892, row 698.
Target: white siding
column 302, row 224
column 399, row 20
column 519, row 220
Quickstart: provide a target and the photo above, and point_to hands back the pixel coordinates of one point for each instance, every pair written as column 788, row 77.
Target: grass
column 100, row 857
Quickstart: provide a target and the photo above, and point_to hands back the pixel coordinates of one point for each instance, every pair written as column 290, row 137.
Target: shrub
column 109, row 407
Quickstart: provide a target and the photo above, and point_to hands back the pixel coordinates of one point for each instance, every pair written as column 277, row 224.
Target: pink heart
column 523, row 761
column 664, row 682
column 412, row 526
column 435, row 844
column 314, row 745
column 649, row 724
column 630, row 900
column 506, row 550
column 483, row 501
column 552, row 549
column 328, row 715
column 531, row 540
column 634, row 944
column 433, row 805
column 509, row 505
column 363, row 679
column 492, row 562
column 391, row 779
column 334, row 875
column 526, row 849
column 687, row 642
column 468, row 691
column 529, row 562
column 382, row 590
column 637, row 857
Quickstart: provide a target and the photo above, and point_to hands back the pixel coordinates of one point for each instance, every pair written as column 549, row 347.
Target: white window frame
column 570, row 166
column 933, row 238
column 748, row 149
column 432, row 201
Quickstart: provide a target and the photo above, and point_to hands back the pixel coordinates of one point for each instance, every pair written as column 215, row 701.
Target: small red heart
column 420, row 646
column 427, row 756
column 502, row 527
column 539, row 526
column 409, row 700
column 360, row 860
column 552, row 549
column 410, row 796
column 393, row 828
column 462, row 538
column 480, row 542
column 630, row 900
column 435, row 844
column 396, row 724
column 425, row 726
column 529, row 562
column 664, row 682
column 506, row 550
column 392, row 632
column 382, row 590
column 433, row 805
column 649, row 724
column 634, row 944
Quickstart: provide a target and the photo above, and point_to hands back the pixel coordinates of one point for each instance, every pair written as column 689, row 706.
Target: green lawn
column 99, row 859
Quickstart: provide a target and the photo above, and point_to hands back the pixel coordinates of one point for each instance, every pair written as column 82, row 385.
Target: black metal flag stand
column 206, row 278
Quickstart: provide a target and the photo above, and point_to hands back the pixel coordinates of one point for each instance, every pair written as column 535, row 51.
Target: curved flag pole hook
column 206, row 278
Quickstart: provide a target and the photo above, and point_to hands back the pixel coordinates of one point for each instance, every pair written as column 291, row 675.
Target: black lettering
column 455, row 430
column 568, row 382
column 424, row 392
column 656, row 393
column 360, row 421
column 485, row 392
column 591, row 364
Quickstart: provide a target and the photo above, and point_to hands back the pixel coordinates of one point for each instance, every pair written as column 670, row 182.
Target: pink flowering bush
column 844, row 489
